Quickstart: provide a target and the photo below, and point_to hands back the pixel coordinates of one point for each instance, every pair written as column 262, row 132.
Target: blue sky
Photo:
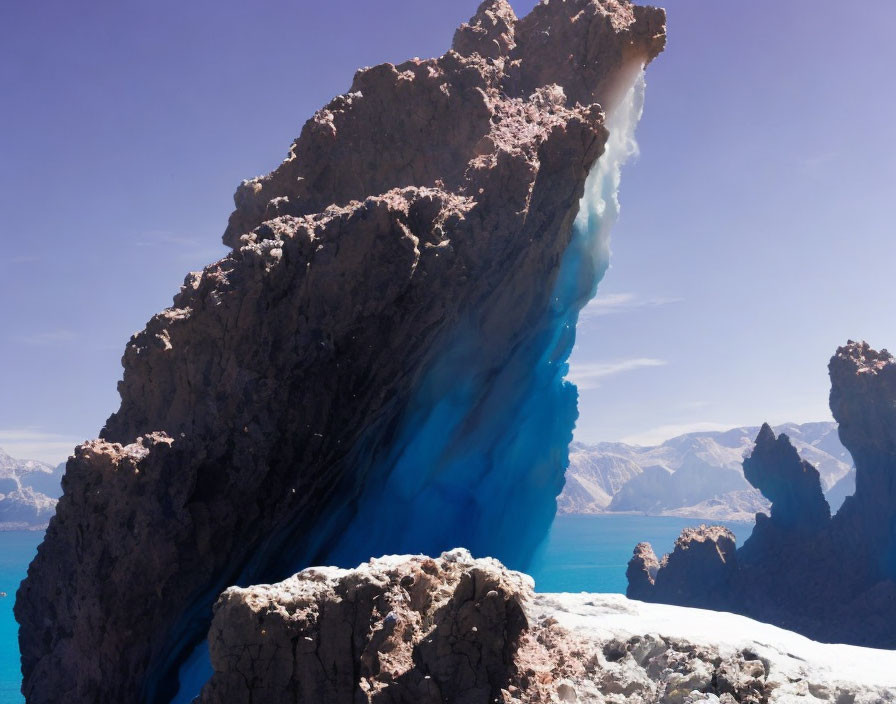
column 756, row 232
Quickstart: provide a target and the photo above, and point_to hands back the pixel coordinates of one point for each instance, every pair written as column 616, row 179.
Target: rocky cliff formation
column 454, row 629
column 391, row 328
column 792, row 485
column 698, row 572
column 831, row 578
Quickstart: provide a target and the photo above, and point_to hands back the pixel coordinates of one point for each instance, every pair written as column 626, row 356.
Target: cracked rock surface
column 453, row 629
column 433, row 196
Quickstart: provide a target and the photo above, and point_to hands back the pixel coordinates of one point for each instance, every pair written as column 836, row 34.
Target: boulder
column 457, row 630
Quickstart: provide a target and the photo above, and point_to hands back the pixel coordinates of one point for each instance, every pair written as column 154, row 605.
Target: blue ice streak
column 481, row 452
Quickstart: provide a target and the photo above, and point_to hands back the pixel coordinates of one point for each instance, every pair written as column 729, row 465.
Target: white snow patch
column 791, row 656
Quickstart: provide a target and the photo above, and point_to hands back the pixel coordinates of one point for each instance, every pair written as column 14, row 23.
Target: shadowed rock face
column 407, row 251
column 863, row 401
column 790, row 483
column 641, row 572
column 700, row 569
column 831, row 578
column 698, row 572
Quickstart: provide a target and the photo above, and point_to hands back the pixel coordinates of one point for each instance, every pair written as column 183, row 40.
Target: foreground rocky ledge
column 455, row 629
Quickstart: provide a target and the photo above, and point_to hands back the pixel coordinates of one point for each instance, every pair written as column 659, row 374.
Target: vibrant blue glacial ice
column 480, row 455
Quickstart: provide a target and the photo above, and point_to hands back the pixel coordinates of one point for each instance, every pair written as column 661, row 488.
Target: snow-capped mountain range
column 695, row 475
column 28, row 492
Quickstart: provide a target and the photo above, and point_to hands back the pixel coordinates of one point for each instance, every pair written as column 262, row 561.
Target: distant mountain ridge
column 28, row 492
column 695, row 475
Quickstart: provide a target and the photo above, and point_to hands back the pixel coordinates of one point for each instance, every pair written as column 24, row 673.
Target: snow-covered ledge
column 793, row 668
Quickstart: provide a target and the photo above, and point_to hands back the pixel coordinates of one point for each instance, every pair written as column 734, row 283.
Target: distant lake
column 582, row 553
column 590, row 553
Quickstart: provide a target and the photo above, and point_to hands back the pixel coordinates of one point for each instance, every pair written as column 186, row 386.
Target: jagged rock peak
column 863, row 390
column 641, row 572
column 406, row 252
column 863, row 402
column 700, row 567
column 389, row 130
column 863, row 358
column 719, row 536
column 789, row 482
column 766, row 435
column 489, row 33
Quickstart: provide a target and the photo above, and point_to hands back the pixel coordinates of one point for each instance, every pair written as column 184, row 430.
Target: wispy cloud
column 47, row 337
column 658, row 435
column 35, row 444
column 817, row 163
column 23, row 259
column 587, row 375
column 154, row 238
column 620, row 302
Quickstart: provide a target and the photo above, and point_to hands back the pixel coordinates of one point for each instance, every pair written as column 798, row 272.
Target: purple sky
column 756, row 232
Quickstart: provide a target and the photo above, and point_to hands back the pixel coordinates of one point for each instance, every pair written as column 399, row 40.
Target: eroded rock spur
column 427, row 209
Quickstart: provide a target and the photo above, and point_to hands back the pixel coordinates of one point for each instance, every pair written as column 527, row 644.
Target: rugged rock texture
column 698, row 572
column 400, row 629
column 641, row 572
column 863, row 401
column 426, row 212
column 831, row 578
column 696, row 475
column 391, row 129
column 454, row 629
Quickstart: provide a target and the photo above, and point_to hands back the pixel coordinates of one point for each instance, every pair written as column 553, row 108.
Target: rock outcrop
column 863, row 401
column 391, row 327
column 641, row 572
column 409, row 629
column 792, row 485
column 698, row 572
column 831, row 578
column 454, row 630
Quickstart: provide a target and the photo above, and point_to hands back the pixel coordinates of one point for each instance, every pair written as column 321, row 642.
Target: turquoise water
column 582, row 553
column 17, row 548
